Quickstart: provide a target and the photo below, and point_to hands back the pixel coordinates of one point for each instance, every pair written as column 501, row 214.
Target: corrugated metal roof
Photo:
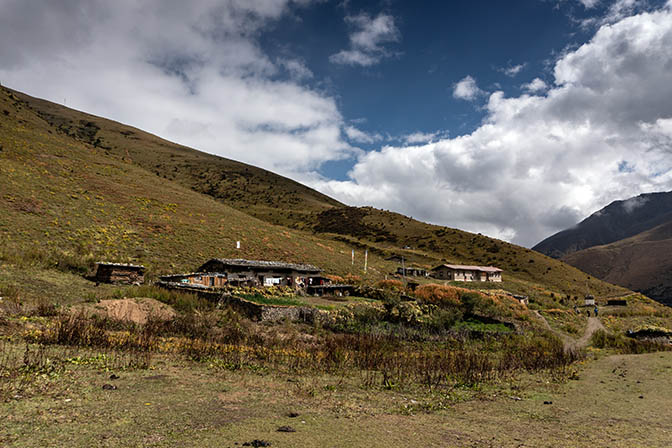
column 240, row 262
column 462, row 267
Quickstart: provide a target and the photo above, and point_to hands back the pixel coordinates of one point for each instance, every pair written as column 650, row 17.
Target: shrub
column 335, row 278
column 445, row 318
column 351, row 279
column 625, row 345
column 438, row 295
column 394, row 285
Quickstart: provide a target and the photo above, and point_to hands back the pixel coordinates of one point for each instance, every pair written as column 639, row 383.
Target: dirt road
column 593, row 325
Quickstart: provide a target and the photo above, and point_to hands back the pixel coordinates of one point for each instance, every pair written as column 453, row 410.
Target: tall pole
column 403, row 269
column 366, row 258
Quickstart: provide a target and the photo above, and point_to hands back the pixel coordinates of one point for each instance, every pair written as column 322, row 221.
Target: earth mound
column 136, row 310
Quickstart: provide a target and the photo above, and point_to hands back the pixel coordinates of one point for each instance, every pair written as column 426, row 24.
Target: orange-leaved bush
column 395, row 285
column 438, row 295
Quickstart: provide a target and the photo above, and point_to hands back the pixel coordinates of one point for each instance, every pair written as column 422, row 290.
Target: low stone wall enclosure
column 255, row 311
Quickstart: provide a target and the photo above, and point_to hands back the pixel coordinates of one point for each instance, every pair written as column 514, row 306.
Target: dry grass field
column 614, row 401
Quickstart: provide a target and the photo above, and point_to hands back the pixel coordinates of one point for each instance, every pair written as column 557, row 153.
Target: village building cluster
column 237, row 272
column 222, row 272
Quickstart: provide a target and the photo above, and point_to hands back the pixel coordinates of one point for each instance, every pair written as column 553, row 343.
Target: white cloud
column 420, row 137
column 632, row 204
column 618, row 10
column 513, row 70
column 467, row 89
column 589, row 3
column 193, row 73
column 535, row 86
column 539, row 164
column 359, row 136
column 297, row 70
column 367, row 42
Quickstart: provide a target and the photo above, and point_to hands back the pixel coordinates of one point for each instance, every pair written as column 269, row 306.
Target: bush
column 625, row 345
column 393, row 285
column 445, row 318
column 351, row 279
column 444, row 296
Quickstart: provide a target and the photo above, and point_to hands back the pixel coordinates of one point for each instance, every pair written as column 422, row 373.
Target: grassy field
column 615, row 401
column 63, row 204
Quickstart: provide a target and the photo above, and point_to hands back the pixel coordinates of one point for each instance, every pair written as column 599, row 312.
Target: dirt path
column 593, row 325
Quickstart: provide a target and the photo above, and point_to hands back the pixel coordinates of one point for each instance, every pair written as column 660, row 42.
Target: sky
column 513, row 119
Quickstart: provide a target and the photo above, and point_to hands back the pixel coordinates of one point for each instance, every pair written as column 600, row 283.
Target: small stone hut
column 119, row 273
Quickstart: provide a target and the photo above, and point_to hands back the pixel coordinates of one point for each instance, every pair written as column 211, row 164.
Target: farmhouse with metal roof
column 466, row 273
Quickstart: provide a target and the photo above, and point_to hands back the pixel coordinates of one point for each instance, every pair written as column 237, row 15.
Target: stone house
column 466, row 273
column 220, row 272
column 119, row 273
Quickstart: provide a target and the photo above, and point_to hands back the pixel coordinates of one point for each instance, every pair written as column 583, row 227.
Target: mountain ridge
column 641, row 262
column 618, row 220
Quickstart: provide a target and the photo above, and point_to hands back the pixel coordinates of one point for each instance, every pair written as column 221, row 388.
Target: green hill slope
column 259, row 192
column 83, row 185
column 61, row 198
column 428, row 245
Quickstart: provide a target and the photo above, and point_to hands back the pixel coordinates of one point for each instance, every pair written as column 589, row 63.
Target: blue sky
column 436, row 45
column 514, row 119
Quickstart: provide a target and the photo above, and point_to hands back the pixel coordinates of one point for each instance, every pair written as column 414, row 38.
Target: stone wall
column 254, row 311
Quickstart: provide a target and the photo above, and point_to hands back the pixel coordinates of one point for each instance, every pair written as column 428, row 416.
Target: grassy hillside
column 258, row 192
column 63, row 201
column 640, row 263
column 427, row 245
column 82, row 186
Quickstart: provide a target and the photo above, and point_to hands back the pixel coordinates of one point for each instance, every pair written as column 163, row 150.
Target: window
column 271, row 281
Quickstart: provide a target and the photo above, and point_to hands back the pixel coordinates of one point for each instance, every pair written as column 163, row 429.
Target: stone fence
column 254, row 311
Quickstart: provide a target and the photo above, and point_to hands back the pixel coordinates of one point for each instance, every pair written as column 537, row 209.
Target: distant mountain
column 617, row 221
column 642, row 262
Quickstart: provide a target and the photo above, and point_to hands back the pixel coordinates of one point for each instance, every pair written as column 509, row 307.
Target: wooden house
column 198, row 279
column 466, row 273
column 119, row 273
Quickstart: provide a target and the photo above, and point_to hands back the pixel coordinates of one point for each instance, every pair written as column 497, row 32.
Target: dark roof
column 239, row 262
column 188, row 274
column 121, row 265
column 461, row 267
